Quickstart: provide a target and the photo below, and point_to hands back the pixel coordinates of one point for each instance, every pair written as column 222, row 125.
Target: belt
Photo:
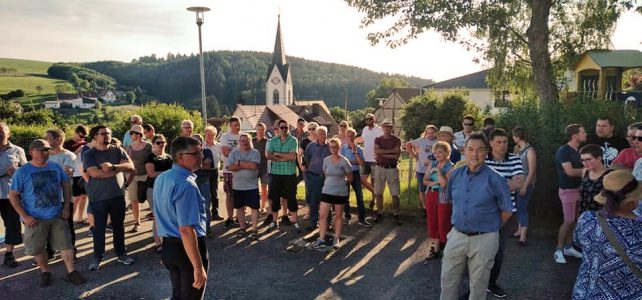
column 473, row 233
column 387, row 166
column 315, row 174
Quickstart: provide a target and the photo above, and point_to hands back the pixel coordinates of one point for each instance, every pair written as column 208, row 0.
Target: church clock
column 276, row 80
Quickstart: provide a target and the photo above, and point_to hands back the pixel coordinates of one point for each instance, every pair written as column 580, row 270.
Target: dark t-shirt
column 260, row 146
column 392, row 142
column 201, row 174
column 100, row 189
column 161, row 163
column 304, row 144
column 567, row 154
column 72, row 145
column 610, row 146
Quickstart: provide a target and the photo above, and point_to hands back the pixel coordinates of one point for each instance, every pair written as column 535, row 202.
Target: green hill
column 27, row 75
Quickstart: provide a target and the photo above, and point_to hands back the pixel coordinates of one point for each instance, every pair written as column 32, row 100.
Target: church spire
column 278, row 56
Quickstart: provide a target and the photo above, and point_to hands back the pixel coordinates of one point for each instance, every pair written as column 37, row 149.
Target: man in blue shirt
column 354, row 154
column 37, row 191
column 313, row 168
column 179, row 210
column 481, row 206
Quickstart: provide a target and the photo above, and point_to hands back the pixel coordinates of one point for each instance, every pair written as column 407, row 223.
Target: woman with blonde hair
column 438, row 207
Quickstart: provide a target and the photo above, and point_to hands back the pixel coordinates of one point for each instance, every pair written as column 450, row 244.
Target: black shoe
column 109, row 228
column 90, row 232
column 229, row 223
column 285, row 220
column 268, row 220
column 496, row 291
column 45, row 279
column 10, row 261
column 216, row 218
column 365, row 224
column 75, row 278
column 311, row 228
column 521, row 243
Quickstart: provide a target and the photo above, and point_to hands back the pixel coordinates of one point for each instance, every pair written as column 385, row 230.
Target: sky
column 323, row 30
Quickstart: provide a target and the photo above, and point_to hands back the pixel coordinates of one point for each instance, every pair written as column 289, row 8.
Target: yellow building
column 598, row 73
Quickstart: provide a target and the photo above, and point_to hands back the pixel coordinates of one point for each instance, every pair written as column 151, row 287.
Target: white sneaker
column 572, row 252
column 559, row 257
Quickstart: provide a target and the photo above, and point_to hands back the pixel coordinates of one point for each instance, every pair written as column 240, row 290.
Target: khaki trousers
column 478, row 253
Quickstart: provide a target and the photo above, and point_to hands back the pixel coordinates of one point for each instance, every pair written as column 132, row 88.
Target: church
column 280, row 99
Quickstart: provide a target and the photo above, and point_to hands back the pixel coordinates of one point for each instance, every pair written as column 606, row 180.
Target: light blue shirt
column 40, row 189
column 11, row 155
column 478, row 199
column 347, row 152
column 127, row 139
column 178, row 202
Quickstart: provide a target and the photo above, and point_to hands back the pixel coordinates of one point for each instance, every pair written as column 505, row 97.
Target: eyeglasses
column 104, row 133
column 636, row 138
column 134, row 132
column 468, row 124
column 160, row 143
column 283, row 127
column 342, row 125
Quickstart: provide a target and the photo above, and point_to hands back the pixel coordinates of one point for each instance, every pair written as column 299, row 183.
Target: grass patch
column 26, row 66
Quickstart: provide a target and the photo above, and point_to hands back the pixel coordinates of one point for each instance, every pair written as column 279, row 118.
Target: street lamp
column 200, row 14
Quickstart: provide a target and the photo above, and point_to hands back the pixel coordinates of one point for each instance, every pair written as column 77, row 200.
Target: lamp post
column 200, row 16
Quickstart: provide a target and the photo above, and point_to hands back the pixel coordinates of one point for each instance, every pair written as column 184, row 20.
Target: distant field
column 28, row 75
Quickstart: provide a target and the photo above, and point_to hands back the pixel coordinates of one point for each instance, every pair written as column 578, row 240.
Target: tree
column 39, row 88
column 384, row 89
column 338, row 113
column 64, row 88
column 542, row 37
column 130, row 97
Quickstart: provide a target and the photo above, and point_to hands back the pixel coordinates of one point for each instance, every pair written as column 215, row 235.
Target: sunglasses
column 468, row 124
column 134, row 132
column 160, row 143
column 343, row 125
column 104, row 133
column 636, row 138
column 283, row 127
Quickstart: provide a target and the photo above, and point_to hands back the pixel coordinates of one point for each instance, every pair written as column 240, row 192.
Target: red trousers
column 437, row 217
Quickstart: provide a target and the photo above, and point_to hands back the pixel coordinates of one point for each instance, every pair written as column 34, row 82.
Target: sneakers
column 45, row 279
column 365, row 224
column 572, row 252
column 228, row 223
column 135, row 228
column 336, row 244
column 377, row 219
column 125, row 260
column 94, row 264
column 297, row 227
column 90, row 232
column 268, row 220
column 10, row 261
column 286, row 221
column 75, row 278
column 109, row 228
column 272, row 227
column 559, row 257
column 397, row 219
column 319, row 244
column 496, row 291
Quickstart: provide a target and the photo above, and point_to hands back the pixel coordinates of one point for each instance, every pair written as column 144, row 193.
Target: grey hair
column 182, row 144
column 322, row 128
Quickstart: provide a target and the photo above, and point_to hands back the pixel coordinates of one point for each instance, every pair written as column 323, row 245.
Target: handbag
column 618, row 248
column 141, row 191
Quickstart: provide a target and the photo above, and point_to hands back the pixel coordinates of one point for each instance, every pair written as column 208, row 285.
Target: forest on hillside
column 239, row 77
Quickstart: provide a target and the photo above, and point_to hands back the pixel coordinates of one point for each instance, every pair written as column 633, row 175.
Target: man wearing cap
column 299, row 132
column 11, row 157
column 103, row 163
column 134, row 120
column 481, row 206
column 368, row 135
column 387, row 149
column 229, row 141
column 179, row 209
column 37, row 191
column 445, row 134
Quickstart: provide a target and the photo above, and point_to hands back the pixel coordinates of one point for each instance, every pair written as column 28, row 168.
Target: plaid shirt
column 289, row 146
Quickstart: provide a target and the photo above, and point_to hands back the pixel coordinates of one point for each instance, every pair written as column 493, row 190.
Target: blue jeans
column 358, row 192
column 521, row 203
column 115, row 208
column 204, row 188
column 314, row 186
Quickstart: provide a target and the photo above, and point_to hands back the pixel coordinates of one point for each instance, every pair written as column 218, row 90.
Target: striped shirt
column 290, row 145
column 510, row 167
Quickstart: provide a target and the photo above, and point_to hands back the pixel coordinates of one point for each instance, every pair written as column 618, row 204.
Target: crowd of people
column 473, row 192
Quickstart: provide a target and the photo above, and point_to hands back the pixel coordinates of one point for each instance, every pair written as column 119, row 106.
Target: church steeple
column 278, row 83
column 278, row 56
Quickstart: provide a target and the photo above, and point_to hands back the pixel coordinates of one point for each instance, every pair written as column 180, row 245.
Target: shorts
column 569, row 198
column 132, row 189
column 249, row 198
column 369, row 168
column 227, row 182
column 387, row 175
column 54, row 232
column 78, row 187
column 420, row 182
column 283, row 186
column 332, row 199
column 264, row 177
